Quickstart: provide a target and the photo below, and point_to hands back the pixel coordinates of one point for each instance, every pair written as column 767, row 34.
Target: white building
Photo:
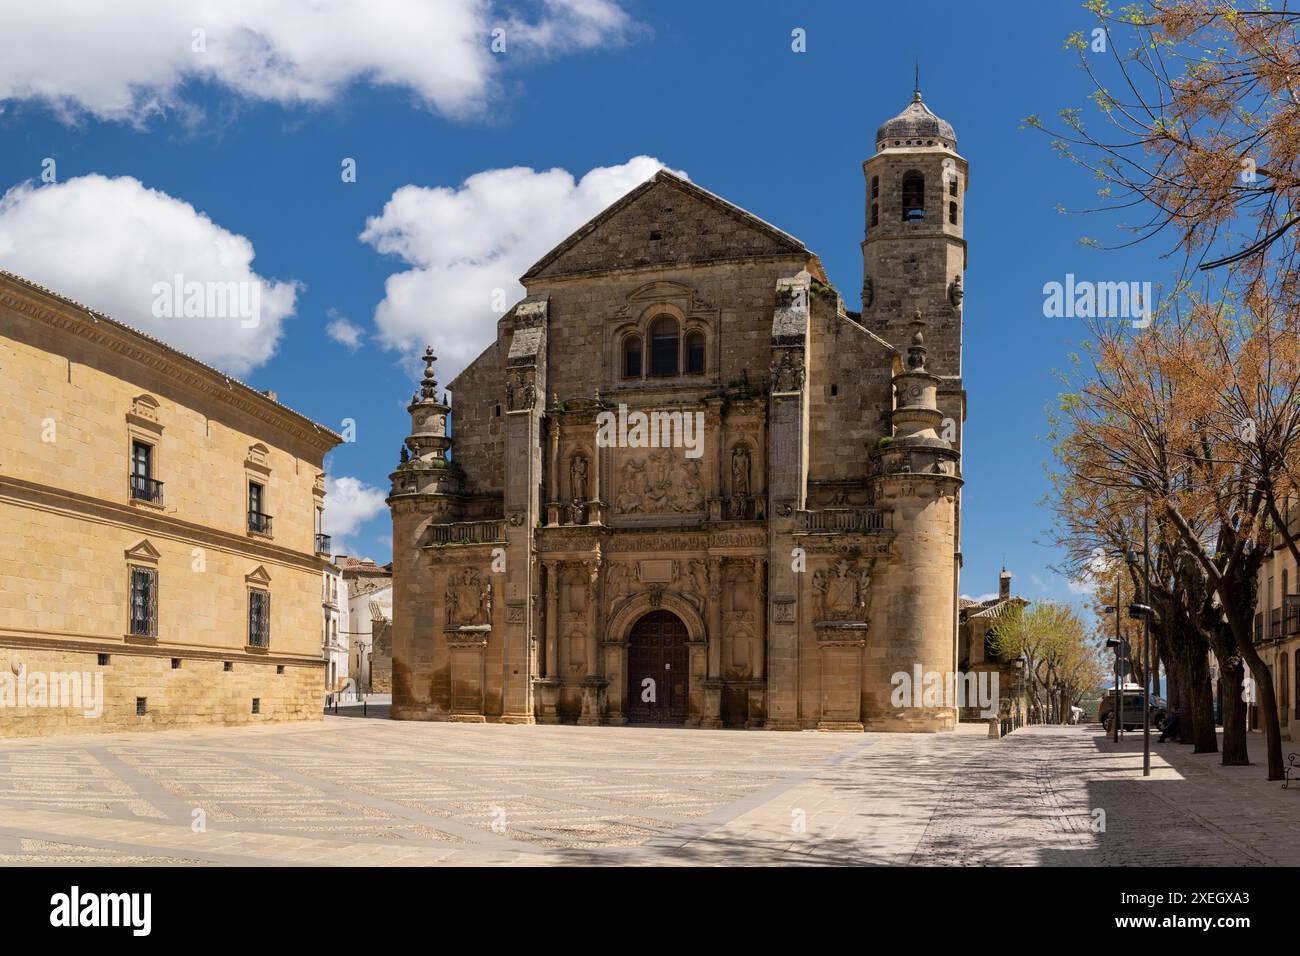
column 334, row 628
column 369, row 610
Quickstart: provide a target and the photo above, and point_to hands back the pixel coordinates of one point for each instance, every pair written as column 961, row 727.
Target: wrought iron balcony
column 146, row 489
column 1291, row 613
column 323, row 544
column 1275, row 623
column 259, row 523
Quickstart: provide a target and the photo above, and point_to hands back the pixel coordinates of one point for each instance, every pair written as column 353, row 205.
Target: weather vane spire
column 916, row 84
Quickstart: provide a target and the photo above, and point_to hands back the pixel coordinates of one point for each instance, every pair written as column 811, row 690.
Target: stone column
column 552, row 614
column 715, row 617
column 549, row 686
column 593, row 686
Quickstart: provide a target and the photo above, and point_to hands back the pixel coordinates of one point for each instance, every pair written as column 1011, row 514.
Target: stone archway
column 625, row 615
column 658, row 670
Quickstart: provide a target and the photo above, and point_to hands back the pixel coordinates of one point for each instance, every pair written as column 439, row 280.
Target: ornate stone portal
column 775, row 534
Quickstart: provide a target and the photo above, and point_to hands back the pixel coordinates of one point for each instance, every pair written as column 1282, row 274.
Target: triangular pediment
column 258, row 576
column 665, row 222
column 143, row 552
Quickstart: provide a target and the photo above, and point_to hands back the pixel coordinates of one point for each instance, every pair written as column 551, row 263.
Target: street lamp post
column 1117, row 712
column 1143, row 610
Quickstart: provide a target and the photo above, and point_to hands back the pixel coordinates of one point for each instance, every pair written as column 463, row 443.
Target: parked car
column 1132, row 710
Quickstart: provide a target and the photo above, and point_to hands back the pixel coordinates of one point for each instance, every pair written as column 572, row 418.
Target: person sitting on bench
column 1171, row 726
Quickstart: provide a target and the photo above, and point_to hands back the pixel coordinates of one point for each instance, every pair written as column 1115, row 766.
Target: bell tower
column 914, row 249
column 913, row 257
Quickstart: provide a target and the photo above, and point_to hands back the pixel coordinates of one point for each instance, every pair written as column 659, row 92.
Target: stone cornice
column 28, row 494
column 41, row 640
column 25, row 298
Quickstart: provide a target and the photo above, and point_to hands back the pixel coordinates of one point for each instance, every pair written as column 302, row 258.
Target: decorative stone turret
column 916, row 475
column 917, row 446
column 424, row 468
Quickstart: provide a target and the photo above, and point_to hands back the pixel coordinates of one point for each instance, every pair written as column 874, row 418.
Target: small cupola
column 915, row 126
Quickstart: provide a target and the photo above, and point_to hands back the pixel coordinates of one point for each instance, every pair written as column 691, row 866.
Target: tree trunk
column 1235, row 753
column 1200, row 700
column 1266, row 700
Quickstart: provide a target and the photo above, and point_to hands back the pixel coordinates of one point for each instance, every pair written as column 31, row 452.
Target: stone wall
column 381, row 659
column 199, row 692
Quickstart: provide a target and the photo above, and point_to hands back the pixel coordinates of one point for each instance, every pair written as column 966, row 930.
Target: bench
column 1291, row 767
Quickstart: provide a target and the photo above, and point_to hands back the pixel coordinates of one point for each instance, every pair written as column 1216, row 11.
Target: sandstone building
column 977, row 652
column 774, row 571
column 1277, row 627
column 158, row 531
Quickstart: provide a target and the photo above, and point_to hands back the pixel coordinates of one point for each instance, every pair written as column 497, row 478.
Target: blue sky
column 711, row 89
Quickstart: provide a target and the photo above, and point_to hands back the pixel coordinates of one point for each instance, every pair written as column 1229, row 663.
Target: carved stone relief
column 661, row 482
column 469, row 598
column 841, row 593
column 788, row 371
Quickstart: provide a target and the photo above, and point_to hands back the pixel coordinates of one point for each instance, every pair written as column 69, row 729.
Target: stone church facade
column 775, row 569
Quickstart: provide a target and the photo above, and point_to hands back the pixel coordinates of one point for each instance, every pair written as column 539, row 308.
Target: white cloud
column 130, row 59
column 109, row 242
column 469, row 245
column 349, row 503
column 343, row 331
column 980, row 599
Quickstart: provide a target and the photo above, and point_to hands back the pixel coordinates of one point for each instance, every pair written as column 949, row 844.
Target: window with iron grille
column 141, row 706
column 144, row 602
column 259, row 617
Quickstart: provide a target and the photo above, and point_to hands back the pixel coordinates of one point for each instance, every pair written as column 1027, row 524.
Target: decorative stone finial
column 429, row 386
column 916, row 351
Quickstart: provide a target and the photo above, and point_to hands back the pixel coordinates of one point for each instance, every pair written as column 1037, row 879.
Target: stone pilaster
column 787, row 462
column 525, row 388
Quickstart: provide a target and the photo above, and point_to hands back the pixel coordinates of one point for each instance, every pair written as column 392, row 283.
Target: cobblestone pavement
column 353, row 791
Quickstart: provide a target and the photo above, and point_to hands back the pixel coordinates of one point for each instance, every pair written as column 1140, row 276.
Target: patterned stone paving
column 352, row 791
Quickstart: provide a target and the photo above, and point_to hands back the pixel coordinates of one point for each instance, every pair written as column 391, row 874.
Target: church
column 779, row 542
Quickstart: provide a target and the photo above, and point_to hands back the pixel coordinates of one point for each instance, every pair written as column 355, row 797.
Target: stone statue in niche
column 469, row 598
column 841, row 593
column 740, row 468
column 578, row 478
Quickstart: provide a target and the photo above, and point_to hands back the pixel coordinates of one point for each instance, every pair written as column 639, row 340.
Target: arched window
column 875, row 214
column 695, row 353
column 952, row 213
column 913, row 197
column 663, row 346
column 632, row 356
column 875, row 187
column 952, row 185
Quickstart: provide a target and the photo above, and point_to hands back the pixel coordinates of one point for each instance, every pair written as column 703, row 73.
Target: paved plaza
column 377, row 792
